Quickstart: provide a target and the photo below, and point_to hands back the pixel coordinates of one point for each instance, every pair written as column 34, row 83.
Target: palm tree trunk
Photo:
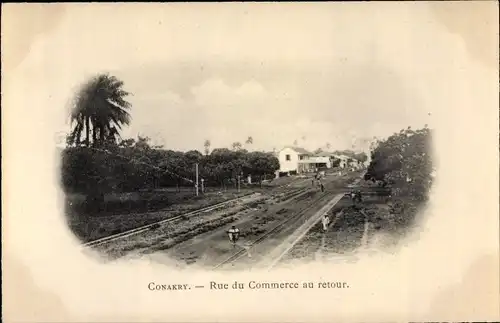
column 94, row 134
column 101, row 133
column 87, row 131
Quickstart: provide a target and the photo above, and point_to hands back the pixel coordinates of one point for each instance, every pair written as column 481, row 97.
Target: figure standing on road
column 234, row 234
column 325, row 220
column 322, row 186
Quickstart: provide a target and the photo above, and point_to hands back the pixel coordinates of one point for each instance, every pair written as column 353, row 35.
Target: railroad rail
column 279, row 252
column 276, row 229
column 282, row 250
column 153, row 225
column 143, row 228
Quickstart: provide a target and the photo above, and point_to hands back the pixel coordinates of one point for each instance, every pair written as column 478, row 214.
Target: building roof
column 324, row 154
column 299, row 150
column 341, row 156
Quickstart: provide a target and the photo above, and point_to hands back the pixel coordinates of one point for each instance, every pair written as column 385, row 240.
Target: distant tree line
column 133, row 165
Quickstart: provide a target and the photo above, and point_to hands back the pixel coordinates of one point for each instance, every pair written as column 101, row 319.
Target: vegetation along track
column 144, row 228
column 274, row 230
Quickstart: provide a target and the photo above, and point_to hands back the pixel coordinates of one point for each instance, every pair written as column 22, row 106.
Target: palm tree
column 207, row 146
column 236, row 145
column 99, row 107
column 249, row 140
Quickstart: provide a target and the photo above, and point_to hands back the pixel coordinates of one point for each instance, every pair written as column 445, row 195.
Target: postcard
column 250, row 162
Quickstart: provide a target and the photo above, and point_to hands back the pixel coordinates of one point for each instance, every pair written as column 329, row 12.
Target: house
column 344, row 160
column 296, row 160
column 349, row 162
column 292, row 160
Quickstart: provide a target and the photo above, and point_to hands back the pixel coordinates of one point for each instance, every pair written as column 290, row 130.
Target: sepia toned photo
column 237, row 205
column 271, row 159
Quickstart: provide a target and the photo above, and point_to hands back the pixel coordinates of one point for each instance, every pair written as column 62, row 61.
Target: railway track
column 155, row 224
column 280, row 252
column 289, row 195
column 273, row 231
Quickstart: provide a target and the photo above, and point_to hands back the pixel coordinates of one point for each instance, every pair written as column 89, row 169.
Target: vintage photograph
column 250, row 162
column 240, row 164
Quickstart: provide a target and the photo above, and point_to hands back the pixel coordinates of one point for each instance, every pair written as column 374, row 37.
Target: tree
column 404, row 162
column 361, row 157
column 319, row 150
column 249, row 140
column 236, row 145
column 295, row 142
column 328, row 146
column 207, row 147
column 193, row 157
column 261, row 164
column 99, row 108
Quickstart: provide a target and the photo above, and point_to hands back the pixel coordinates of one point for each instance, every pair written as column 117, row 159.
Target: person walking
column 325, row 221
column 234, row 235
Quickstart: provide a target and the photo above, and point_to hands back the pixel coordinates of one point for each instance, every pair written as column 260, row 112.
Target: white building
column 348, row 162
column 344, row 160
column 296, row 160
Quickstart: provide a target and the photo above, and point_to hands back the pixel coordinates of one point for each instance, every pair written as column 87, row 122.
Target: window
column 287, row 157
column 301, row 157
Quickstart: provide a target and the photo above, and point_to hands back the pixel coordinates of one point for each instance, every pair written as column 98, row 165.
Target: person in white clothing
column 234, row 234
column 325, row 220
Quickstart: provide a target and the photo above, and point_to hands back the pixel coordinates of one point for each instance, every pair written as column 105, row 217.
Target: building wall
column 288, row 165
column 321, row 160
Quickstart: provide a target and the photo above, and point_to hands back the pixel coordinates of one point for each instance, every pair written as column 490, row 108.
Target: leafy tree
column 236, row 145
column 403, row 161
column 262, row 164
column 100, row 110
column 361, row 157
column 193, row 156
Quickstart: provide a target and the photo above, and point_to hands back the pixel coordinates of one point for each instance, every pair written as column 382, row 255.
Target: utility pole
column 196, row 179
column 239, row 176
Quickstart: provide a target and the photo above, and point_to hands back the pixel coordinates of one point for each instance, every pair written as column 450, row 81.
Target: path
column 279, row 252
column 322, row 249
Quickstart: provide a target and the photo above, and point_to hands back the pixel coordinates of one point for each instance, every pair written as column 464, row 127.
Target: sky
column 328, row 73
